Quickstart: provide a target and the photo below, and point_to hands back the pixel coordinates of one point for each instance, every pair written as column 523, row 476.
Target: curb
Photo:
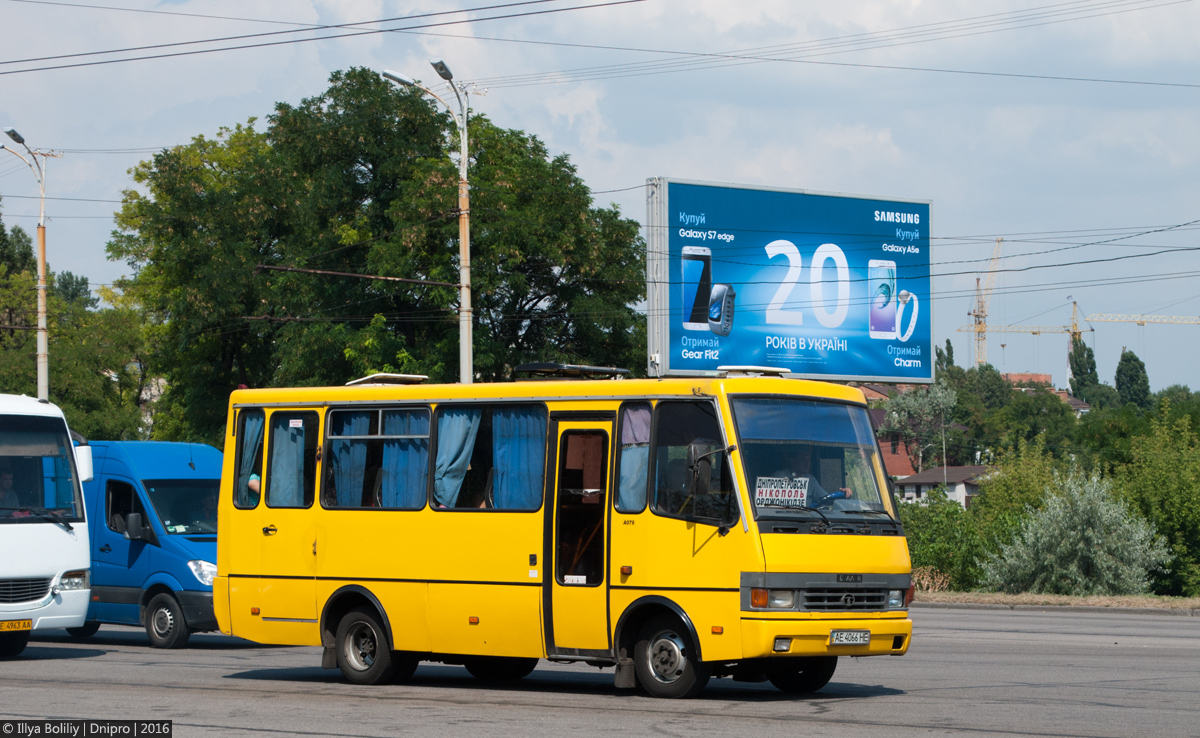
column 1055, row 608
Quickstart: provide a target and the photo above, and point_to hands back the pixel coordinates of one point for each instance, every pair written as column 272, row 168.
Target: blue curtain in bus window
column 457, row 428
column 405, row 460
column 635, row 458
column 349, row 457
column 252, row 434
column 518, row 456
column 285, row 481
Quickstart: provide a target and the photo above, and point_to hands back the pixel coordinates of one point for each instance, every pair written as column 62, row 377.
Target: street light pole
column 43, row 344
column 466, row 346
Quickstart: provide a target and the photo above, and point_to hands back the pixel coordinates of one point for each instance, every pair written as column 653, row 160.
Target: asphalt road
column 969, row 672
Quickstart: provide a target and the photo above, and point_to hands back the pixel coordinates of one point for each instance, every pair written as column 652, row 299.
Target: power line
column 264, row 44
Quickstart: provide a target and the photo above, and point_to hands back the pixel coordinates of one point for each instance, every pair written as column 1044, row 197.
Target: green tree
column 1162, row 481
column 74, row 289
column 943, row 360
column 1083, row 367
column 16, row 250
column 1101, row 396
column 1020, row 483
column 1084, row 541
column 1032, row 413
column 919, row 416
column 941, row 536
column 360, row 179
column 1133, row 385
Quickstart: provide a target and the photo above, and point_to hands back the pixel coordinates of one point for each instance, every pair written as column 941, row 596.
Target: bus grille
column 23, row 590
column 837, row 599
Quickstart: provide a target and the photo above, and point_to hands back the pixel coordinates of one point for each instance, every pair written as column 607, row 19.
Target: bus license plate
column 16, row 625
column 850, row 638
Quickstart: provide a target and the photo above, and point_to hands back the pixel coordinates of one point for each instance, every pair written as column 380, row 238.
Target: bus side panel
column 706, row 610
column 221, row 604
column 507, row 619
column 404, row 603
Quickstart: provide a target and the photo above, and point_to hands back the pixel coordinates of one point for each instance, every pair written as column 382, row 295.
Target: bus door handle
column 106, row 548
column 270, row 530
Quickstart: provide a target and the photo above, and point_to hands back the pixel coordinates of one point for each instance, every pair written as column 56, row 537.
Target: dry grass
column 995, row 598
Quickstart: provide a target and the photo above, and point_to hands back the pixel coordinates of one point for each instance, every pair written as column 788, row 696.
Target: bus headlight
column 204, row 571
column 896, row 599
column 73, row 580
column 781, row 599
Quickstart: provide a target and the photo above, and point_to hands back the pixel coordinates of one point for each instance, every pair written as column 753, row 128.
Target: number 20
column 776, row 315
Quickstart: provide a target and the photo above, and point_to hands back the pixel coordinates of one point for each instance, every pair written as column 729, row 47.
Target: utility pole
column 39, row 172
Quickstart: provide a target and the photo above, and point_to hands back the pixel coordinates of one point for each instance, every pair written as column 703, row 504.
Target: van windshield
column 802, row 454
column 37, row 470
column 184, row 505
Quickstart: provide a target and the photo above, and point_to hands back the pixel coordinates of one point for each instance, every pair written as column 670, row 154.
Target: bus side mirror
column 83, row 463
column 699, row 463
column 134, row 528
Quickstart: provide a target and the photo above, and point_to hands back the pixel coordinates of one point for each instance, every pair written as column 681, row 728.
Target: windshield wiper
column 48, row 515
column 895, row 523
column 806, row 508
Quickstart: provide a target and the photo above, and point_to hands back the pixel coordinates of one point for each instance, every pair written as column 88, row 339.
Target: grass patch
column 998, row 598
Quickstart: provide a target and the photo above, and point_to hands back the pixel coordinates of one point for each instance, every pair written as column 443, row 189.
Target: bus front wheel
column 165, row 625
column 803, row 675
column 363, row 653
column 12, row 644
column 665, row 660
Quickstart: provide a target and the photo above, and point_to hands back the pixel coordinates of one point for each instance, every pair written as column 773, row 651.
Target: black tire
column 499, row 669
column 804, row 675
column 165, row 625
column 405, row 666
column 665, row 662
column 362, row 648
column 12, row 644
column 87, row 630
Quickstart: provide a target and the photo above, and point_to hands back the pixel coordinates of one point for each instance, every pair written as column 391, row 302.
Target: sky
column 1069, row 129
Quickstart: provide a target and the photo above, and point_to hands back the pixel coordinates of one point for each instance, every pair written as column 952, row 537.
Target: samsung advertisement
column 827, row 286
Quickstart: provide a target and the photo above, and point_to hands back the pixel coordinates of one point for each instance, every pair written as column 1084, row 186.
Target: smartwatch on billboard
column 720, row 309
column 904, row 298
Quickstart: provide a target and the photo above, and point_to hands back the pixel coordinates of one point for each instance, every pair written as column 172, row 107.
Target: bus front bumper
column 778, row 637
column 62, row 610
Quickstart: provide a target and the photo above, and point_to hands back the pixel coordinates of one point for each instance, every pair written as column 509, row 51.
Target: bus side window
column 377, row 459
column 248, row 484
column 634, row 458
column 490, row 457
column 292, row 477
column 677, row 425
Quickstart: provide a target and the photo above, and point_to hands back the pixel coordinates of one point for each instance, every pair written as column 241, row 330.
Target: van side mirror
column 83, row 463
column 135, row 530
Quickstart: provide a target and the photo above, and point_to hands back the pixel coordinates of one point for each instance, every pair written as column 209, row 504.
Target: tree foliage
column 1020, row 483
column 1082, row 361
column 919, row 416
column 1133, row 385
column 1084, row 541
column 941, row 536
column 360, row 179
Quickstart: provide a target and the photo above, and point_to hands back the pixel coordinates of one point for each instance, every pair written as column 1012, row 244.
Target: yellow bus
column 677, row 529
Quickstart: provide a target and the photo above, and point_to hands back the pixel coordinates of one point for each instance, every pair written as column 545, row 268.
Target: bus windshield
column 184, row 505
column 37, row 470
column 801, row 455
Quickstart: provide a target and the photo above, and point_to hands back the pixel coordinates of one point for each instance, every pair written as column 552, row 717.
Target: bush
column 1020, row 483
column 1084, row 541
column 942, row 538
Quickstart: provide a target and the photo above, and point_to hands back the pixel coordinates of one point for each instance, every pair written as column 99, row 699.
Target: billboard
column 822, row 285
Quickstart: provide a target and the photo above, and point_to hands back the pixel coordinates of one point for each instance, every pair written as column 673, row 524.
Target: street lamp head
column 12, row 133
column 443, row 71
column 400, row 79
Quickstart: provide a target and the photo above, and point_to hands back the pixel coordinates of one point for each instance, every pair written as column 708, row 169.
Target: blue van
column 152, row 514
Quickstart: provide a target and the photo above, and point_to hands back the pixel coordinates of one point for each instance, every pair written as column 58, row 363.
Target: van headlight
column 73, row 580
column 204, row 571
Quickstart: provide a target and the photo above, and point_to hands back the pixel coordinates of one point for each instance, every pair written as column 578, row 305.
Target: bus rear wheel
column 803, row 675
column 165, row 625
column 500, row 669
column 363, row 653
column 12, row 644
column 664, row 659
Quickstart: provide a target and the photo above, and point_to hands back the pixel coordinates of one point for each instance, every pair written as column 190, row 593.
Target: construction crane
column 1073, row 330
column 983, row 295
column 1144, row 319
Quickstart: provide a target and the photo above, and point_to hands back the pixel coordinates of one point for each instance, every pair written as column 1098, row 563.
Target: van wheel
column 497, row 669
column 12, row 644
column 164, row 623
column 362, row 648
column 665, row 660
column 87, row 630
column 807, row 675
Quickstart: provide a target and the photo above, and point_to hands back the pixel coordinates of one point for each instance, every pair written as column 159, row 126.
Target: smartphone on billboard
column 697, row 287
column 881, row 287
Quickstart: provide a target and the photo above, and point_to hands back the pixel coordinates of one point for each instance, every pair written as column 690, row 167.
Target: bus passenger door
column 287, row 587
column 578, row 589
